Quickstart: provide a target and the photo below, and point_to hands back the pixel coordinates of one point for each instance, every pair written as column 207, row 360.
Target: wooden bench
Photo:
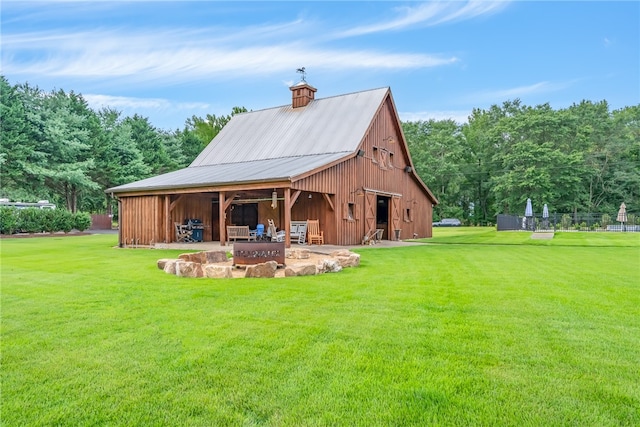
column 298, row 230
column 239, row 232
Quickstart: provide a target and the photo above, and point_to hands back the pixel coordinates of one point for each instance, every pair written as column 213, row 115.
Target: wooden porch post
column 157, row 226
column 221, row 220
column 287, row 217
column 120, row 222
column 168, row 226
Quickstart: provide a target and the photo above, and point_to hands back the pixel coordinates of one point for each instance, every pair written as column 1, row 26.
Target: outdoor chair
column 298, row 230
column 259, row 231
column 315, row 235
column 183, row 233
column 276, row 236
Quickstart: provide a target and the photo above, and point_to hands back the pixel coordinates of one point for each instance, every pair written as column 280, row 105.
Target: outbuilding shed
column 341, row 160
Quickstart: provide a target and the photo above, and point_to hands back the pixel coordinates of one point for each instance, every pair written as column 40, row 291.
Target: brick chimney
column 302, row 94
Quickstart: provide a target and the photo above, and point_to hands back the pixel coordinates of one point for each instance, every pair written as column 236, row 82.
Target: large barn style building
column 341, row 160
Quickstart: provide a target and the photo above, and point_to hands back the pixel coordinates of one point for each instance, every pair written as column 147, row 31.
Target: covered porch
column 152, row 219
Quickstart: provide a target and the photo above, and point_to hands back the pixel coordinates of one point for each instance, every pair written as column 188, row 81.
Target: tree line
column 55, row 147
column 584, row 158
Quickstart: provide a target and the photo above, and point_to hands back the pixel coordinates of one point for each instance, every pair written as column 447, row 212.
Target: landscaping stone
column 300, row 270
column 188, row 269
column 215, row 256
column 265, row 269
column 329, row 266
column 216, row 264
column 198, row 257
column 341, row 252
column 216, row 271
column 349, row 259
column 170, row 266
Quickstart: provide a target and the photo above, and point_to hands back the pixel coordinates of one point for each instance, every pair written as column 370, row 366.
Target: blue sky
column 170, row 60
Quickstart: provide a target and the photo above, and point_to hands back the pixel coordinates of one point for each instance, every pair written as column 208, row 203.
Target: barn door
column 370, row 207
column 396, row 215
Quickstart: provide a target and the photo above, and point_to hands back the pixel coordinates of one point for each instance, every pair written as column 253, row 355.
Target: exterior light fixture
column 358, row 192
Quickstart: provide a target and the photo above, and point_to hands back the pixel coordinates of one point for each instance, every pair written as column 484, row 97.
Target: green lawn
column 477, row 328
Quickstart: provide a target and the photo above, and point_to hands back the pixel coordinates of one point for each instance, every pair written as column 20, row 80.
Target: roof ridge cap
column 315, row 100
column 270, row 158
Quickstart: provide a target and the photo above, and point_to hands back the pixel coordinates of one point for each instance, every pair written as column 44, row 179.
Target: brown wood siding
column 266, row 212
column 358, row 181
column 198, row 207
column 143, row 219
column 348, row 181
column 316, row 207
column 139, row 220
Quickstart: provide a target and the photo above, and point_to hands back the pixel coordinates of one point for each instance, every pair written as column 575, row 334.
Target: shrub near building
column 32, row 220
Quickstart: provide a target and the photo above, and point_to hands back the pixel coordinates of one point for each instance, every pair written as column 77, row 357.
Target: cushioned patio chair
column 259, row 231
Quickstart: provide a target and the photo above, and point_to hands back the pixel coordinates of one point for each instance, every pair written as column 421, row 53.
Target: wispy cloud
column 515, row 92
column 179, row 54
column 98, row 101
column 429, row 14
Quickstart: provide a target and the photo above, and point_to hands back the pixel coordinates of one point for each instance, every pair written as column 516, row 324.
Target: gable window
column 382, row 157
column 349, row 213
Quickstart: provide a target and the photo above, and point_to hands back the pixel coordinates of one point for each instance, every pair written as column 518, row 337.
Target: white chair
column 276, row 236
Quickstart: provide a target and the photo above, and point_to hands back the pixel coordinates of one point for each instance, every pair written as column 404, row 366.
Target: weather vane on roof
column 303, row 72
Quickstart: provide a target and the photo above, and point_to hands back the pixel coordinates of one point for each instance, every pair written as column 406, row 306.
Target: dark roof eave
column 195, row 186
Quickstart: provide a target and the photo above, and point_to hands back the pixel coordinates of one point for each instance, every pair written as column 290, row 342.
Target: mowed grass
column 496, row 330
column 489, row 236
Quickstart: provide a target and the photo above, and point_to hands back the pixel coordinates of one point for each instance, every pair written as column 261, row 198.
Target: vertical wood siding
column 356, row 182
column 143, row 219
column 138, row 219
column 194, row 206
column 410, row 210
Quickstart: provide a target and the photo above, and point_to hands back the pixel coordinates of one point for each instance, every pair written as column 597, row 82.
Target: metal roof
column 328, row 125
column 276, row 143
column 257, row 170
